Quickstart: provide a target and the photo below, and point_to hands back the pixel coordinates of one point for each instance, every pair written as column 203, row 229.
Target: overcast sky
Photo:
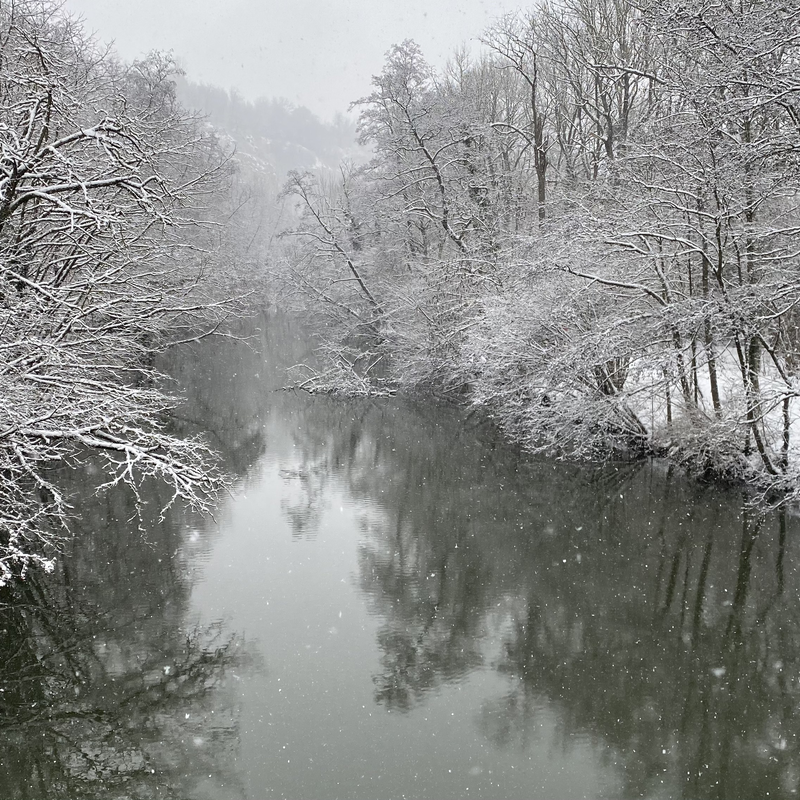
column 317, row 53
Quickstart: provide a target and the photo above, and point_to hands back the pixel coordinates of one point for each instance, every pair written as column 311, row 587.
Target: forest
column 586, row 230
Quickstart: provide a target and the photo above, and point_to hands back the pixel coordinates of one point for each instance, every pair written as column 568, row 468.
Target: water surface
column 391, row 603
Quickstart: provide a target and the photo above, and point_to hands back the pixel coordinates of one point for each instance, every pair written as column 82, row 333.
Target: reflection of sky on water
column 311, row 723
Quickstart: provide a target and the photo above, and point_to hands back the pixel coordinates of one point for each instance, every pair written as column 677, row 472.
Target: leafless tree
column 104, row 183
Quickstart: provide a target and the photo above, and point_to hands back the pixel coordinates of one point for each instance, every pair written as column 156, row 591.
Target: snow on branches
column 101, row 178
column 590, row 230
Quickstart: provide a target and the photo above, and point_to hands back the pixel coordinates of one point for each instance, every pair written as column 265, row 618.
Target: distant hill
column 272, row 131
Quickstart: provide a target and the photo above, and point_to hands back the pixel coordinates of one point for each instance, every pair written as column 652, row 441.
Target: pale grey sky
column 317, row 53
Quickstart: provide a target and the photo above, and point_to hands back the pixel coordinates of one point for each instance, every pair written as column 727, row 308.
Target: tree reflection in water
column 690, row 686
column 104, row 691
column 652, row 616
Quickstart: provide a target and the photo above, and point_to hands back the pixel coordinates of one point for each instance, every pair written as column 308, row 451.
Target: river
column 391, row 603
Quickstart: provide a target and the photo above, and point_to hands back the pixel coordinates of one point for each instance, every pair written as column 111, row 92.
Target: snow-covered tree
column 102, row 178
column 598, row 220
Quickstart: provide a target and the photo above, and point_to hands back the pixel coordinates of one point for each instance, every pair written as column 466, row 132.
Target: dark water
column 392, row 604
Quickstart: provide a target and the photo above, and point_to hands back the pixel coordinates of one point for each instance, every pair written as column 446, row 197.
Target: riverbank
column 634, row 423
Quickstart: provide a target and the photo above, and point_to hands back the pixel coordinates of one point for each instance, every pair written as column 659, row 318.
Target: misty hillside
column 273, row 130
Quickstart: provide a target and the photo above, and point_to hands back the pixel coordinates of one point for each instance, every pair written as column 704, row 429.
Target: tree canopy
column 104, row 183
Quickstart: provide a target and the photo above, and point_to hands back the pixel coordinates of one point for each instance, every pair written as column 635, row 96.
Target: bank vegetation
column 588, row 231
column 106, row 189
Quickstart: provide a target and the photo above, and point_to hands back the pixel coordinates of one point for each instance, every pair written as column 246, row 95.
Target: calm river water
column 393, row 604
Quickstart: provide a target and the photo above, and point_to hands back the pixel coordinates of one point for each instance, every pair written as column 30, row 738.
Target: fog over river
column 393, row 603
